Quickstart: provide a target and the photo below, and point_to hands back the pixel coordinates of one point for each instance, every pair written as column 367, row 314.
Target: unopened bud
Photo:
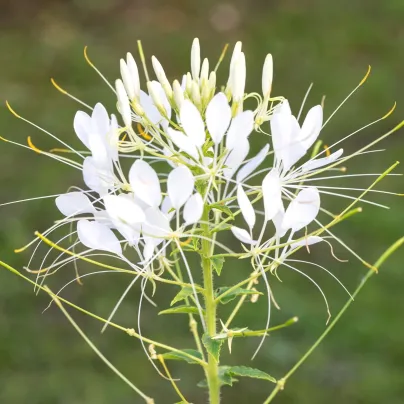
column 134, row 73
column 123, row 103
column 206, row 94
column 204, row 71
column 137, row 108
column 234, row 58
column 196, row 94
column 267, row 75
column 239, row 77
column 161, row 77
column 188, row 84
column 127, row 80
column 154, row 91
column 212, row 81
column 195, row 59
column 178, row 94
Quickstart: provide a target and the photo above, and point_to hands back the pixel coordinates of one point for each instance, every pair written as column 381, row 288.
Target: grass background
column 42, row 359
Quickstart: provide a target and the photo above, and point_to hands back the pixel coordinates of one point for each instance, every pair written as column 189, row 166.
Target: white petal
column 167, row 208
column 236, row 157
column 180, row 184
column 302, row 210
column 113, row 139
column 82, row 126
column 74, row 203
column 242, row 235
column 317, row 163
column 246, row 207
column 240, row 128
column 306, row 242
column 218, row 116
column 145, row 183
column 283, row 108
column 99, row 151
column 148, row 251
column 183, row 142
column 151, row 111
column 249, row 167
column 98, row 180
column 97, row 236
column 278, row 221
column 285, row 132
column 311, row 126
column 100, row 120
column 123, row 209
column 192, row 123
column 157, row 225
column 126, row 216
column 193, row 209
column 272, row 194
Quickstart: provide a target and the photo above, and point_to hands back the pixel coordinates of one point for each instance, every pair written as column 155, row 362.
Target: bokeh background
column 42, row 359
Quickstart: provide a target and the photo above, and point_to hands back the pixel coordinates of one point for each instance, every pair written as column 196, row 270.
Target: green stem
column 212, row 370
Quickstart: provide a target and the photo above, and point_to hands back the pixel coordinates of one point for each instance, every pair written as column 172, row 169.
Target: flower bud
column 161, row 77
column 204, row 71
column 154, row 91
column 134, row 73
column 123, row 103
column 267, row 75
column 127, row 80
column 234, row 58
column 239, row 77
column 212, row 81
column 195, row 59
column 196, row 94
column 188, row 84
column 178, row 94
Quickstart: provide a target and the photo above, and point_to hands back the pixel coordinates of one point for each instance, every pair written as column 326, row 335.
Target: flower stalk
column 212, row 370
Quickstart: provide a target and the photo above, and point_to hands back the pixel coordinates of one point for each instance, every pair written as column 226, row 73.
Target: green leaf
column 212, row 346
column 217, row 263
column 179, row 356
column 233, row 294
column 224, row 377
column 223, row 208
column 181, row 309
column 244, row 371
column 182, row 294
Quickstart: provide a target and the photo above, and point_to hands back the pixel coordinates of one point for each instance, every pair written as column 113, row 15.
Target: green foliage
column 222, row 208
column 244, row 371
column 181, row 309
column 234, row 293
column 213, row 346
column 182, row 294
column 217, row 263
column 181, row 357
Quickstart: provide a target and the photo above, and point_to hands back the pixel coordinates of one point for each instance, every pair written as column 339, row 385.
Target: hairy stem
column 212, row 370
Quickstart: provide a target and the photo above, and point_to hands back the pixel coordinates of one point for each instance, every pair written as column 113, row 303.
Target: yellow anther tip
column 86, row 57
column 57, row 86
column 11, row 110
column 366, row 75
column 32, row 146
column 391, row 111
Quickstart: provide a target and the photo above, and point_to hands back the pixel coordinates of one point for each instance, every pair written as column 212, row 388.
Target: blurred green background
column 42, row 359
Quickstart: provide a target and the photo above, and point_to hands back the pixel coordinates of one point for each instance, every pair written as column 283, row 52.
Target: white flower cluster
column 204, row 136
